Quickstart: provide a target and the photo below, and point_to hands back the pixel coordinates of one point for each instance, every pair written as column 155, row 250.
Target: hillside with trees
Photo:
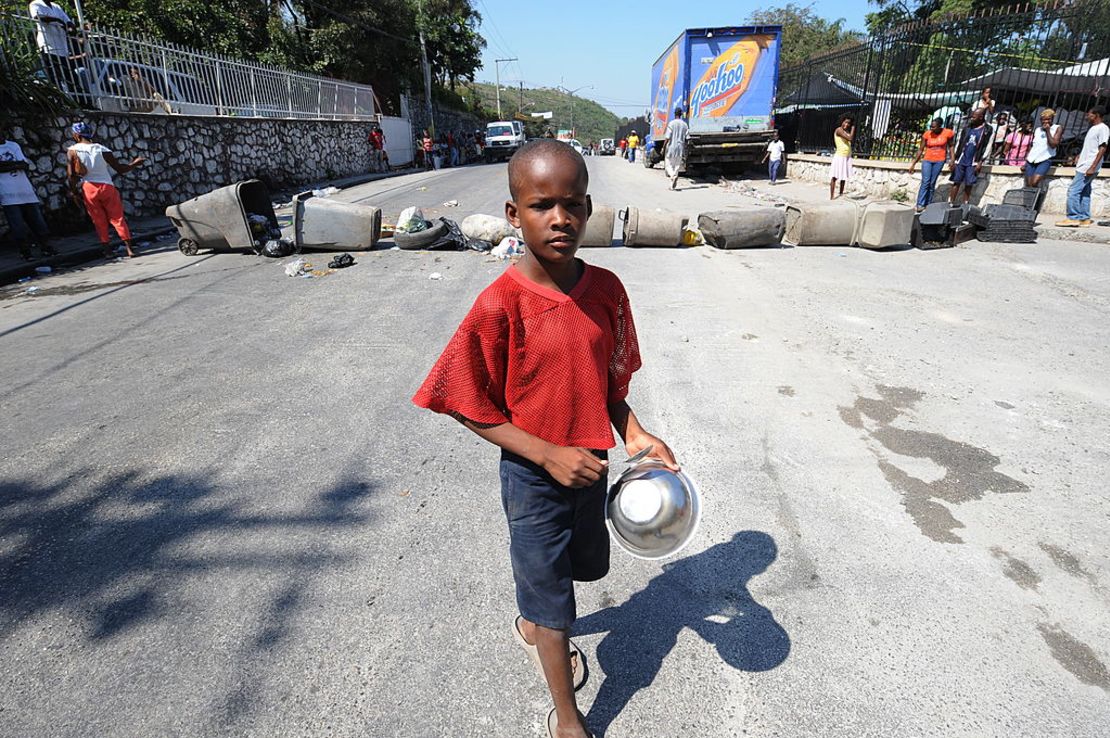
column 591, row 121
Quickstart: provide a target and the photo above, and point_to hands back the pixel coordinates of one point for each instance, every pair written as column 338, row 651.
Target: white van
column 503, row 138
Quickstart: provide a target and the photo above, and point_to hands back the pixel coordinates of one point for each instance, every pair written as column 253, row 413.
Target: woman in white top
column 88, row 162
column 1043, row 149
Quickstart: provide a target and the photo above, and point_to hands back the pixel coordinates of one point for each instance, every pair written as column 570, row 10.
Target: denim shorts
column 557, row 536
column 964, row 174
column 1040, row 168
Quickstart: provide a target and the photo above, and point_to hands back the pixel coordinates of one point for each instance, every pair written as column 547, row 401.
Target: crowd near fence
column 1034, row 56
column 114, row 72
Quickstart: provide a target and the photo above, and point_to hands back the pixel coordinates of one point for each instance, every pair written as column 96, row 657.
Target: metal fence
column 116, row 72
column 1033, row 56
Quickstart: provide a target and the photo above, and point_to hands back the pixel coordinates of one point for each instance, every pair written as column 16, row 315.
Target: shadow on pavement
column 118, row 554
column 707, row 593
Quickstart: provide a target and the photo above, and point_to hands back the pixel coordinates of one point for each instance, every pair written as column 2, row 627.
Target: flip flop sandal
column 553, row 724
column 580, row 672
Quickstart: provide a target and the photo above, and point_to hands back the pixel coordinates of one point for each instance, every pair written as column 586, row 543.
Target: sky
column 609, row 45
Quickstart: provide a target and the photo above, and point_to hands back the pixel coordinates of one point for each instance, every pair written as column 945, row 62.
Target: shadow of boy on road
column 707, row 593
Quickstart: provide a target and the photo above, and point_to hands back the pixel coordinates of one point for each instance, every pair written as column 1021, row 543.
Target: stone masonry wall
column 189, row 156
column 884, row 180
column 446, row 120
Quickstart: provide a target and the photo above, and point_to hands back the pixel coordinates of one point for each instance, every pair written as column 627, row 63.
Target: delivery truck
column 724, row 80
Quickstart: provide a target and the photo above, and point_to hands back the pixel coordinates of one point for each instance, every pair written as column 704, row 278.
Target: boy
column 773, row 156
column 540, row 367
column 970, row 153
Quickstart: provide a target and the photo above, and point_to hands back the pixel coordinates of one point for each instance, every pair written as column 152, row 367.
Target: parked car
column 607, row 147
column 575, row 144
column 115, row 90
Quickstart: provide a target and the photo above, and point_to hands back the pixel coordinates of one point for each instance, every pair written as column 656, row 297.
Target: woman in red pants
column 88, row 162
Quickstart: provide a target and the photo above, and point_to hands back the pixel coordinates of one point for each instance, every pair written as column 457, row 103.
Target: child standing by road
column 540, row 367
column 88, row 162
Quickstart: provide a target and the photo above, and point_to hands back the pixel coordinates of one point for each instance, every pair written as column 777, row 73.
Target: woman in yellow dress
column 842, row 160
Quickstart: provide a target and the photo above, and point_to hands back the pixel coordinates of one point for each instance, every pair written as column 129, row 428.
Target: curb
column 1081, row 235
column 72, row 257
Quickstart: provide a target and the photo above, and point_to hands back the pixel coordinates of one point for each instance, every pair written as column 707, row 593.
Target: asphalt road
column 221, row 515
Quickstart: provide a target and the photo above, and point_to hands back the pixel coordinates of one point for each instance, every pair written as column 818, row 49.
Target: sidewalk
column 83, row 247
column 810, row 192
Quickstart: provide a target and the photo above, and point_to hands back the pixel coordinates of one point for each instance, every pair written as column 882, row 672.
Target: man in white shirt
column 1086, row 169
column 675, row 156
column 19, row 201
column 773, row 157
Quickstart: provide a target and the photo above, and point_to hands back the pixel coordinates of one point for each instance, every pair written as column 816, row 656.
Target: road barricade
column 652, row 227
column 737, row 229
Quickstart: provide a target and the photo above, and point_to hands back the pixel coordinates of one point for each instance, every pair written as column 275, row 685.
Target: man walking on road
column 675, row 141
column 773, row 157
column 1086, row 169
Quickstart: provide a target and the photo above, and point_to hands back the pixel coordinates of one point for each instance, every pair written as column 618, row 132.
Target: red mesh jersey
column 547, row 362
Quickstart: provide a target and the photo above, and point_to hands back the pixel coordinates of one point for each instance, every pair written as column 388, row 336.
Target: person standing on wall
column 88, row 162
column 20, row 202
column 633, row 143
column 52, row 37
column 1086, row 169
column 1041, row 153
column 773, row 156
column 675, row 142
column 843, row 135
column 935, row 149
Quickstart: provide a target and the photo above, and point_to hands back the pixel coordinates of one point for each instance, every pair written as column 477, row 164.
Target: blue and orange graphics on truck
column 735, row 80
column 668, row 88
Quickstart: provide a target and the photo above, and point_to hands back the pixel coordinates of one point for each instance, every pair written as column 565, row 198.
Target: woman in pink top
column 1016, row 146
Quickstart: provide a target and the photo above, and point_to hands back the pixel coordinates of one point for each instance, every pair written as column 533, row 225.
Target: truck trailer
column 724, row 80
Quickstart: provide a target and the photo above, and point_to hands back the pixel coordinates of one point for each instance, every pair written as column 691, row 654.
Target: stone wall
column 891, row 180
column 189, row 156
column 446, row 120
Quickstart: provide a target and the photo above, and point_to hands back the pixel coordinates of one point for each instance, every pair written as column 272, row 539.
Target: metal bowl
column 651, row 511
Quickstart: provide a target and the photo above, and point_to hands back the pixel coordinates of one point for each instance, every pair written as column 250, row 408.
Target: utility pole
column 497, row 65
column 520, row 107
column 571, row 93
column 427, row 71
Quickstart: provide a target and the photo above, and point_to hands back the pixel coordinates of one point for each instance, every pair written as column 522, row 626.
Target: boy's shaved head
column 542, row 148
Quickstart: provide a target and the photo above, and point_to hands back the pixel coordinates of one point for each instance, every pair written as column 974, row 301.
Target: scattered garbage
column 43, row 270
column 411, row 220
column 436, row 276
column 440, row 234
column 421, row 189
column 388, row 230
column 451, row 204
column 278, row 248
column 488, row 228
column 326, row 192
column 341, row 262
column 692, row 236
column 24, row 279
column 297, row 268
column 508, row 248
column 31, row 290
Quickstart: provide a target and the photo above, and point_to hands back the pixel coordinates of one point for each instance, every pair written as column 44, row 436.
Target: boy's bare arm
column 570, row 466
column 636, row 438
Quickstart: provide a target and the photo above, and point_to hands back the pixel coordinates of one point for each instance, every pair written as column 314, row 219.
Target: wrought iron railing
column 117, row 72
column 1034, row 56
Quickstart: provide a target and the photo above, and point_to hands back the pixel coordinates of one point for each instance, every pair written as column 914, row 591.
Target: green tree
column 804, row 33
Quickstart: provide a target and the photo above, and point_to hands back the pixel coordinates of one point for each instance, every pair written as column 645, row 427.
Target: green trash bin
column 220, row 220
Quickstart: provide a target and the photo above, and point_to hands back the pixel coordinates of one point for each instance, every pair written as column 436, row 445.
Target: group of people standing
column 454, row 148
column 89, row 167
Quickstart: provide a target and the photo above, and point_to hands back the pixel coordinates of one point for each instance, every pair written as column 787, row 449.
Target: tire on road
column 420, row 239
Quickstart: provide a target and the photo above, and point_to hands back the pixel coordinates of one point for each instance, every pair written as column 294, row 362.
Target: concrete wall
column 189, row 156
column 883, row 179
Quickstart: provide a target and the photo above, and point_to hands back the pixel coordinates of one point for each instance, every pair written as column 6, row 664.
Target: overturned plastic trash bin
column 737, row 229
column 219, row 219
column 824, row 224
column 599, row 228
column 323, row 224
column 652, row 227
column 884, row 224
